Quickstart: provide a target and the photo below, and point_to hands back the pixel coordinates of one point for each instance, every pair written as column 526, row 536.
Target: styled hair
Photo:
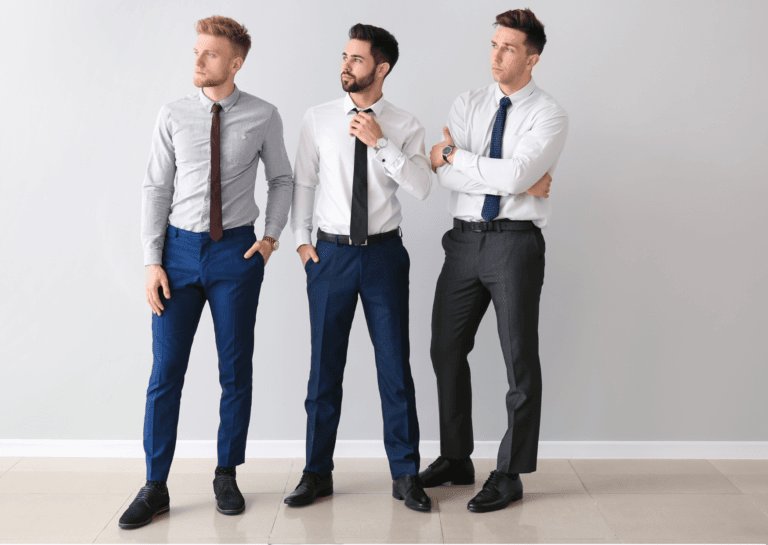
column 525, row 21
column 236, row 33
column 383, row 44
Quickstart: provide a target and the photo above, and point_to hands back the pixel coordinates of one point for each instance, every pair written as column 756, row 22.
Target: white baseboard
column 65, row 448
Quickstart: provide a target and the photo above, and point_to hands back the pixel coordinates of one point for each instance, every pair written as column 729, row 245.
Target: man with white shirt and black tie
column 360, row 149
column 502, row 143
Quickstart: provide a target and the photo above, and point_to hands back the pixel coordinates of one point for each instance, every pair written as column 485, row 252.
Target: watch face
column 447, row 150
column 381, row 142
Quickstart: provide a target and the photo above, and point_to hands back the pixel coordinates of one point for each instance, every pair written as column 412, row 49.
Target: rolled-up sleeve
column 157, row 190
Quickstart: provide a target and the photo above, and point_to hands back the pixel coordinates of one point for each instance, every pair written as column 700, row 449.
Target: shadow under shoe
column 447, row 471
column 498, row 492
column 310, row 487
column 152, row 500
column 409, row 488
column 229, row 500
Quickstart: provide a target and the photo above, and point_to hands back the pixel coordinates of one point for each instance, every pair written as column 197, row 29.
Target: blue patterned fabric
column 491, row 203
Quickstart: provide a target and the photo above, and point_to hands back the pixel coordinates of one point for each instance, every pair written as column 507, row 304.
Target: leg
column 460, row 303
column 332, row 287
column 384, row 293
column 172, row 335
column 232, row 284
column 514, row 276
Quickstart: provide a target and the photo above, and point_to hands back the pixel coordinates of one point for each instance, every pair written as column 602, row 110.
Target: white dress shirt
column 326, row 157
column 534, row 135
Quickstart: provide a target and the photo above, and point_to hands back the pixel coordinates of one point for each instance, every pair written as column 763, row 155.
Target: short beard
column 208, row 82
column 355, row 86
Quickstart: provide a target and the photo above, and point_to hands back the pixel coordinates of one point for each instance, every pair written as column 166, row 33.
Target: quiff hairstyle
column 237, row 34
column 384, row 46
column 525, row 21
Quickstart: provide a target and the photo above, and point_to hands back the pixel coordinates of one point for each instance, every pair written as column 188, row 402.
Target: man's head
column 221, row 48
column 516, row 45
column 370, row 55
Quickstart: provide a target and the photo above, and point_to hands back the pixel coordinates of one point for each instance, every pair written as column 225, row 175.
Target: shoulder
column 179, row 106
column 400, row 116
column 474, row 97
column 332, row 106
column 546, row 106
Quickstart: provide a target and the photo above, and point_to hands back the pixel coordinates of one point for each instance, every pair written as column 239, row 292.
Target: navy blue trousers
column 379, row 274
column 201, row 270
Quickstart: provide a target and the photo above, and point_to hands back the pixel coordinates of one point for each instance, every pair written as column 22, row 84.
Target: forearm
column 301, row 213
column 155, row 209
column 450, row 178
column 279, row 197
column 412, row 174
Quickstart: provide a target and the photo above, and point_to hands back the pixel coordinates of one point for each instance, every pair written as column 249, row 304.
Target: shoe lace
column 493, row 479
column 306, row 477
column 227, row 481
column 436, row 462
column 145, row 491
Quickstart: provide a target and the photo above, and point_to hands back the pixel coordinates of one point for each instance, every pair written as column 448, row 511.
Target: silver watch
column 447, row 151
column 381, row 143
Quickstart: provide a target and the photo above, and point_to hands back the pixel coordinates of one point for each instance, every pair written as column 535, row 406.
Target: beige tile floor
column 70, row 500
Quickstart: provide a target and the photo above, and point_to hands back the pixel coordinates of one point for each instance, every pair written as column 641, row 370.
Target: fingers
column 313, row 254
column 166, row 287
column 252, row 250
column 153, row 296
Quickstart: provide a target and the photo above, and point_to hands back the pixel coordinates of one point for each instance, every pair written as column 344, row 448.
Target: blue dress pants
column 201, row 270
column 379, row 274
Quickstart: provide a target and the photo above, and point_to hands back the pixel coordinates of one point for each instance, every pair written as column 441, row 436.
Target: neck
column 370, row 95
column 219, row 92
column 513, row 86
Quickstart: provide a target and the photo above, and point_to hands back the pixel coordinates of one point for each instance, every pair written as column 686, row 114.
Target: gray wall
column 653, row 311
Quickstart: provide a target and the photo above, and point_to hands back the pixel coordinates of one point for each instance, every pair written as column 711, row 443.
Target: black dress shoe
column 311, row 486
column 447, row 471
column 409, row 488
column 151, row 501
column 499, row 490
column 229, row 500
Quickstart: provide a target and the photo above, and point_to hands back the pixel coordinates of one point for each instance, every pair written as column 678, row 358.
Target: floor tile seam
column 2, row 474
column 611, row 528
column 112, row 517
column 570, row 463
column 765, row 511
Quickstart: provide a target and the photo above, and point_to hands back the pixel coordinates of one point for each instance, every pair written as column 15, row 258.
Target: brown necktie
column 217, row 231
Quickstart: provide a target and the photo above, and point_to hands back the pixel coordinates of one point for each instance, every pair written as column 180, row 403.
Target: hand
column 541, row 188
column 156, row 277
column 436, row 155
column 364, row 126
column 264, row 247
column 307, row 252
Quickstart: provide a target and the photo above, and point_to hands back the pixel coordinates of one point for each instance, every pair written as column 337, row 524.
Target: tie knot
column 504, row 102
column 367, row 110
column 216, row 108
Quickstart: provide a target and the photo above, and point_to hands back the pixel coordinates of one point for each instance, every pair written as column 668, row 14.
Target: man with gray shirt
column 198, row 214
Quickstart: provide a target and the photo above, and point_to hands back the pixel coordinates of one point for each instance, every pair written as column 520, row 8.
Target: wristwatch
column 381, row 143
column 447, row 151
column 275, row 243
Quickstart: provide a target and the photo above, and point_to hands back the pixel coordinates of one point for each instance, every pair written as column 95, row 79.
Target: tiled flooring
column 75, row 500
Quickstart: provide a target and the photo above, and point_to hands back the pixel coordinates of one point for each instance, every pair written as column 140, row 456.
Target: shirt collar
column 377, row 106
column 517, row 96
column 226, row 104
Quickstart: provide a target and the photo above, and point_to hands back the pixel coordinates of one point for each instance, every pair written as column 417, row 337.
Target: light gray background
column 653, row 313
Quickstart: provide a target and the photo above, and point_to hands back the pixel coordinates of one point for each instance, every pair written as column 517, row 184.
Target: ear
column 531, row 61
column 382, row 70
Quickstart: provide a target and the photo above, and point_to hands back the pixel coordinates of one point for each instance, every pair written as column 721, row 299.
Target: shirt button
column 207, row 199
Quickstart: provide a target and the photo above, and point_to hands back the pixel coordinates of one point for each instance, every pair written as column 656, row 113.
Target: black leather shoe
column 447, row 471
column 409, row 488
column 229, row 500
column 151, row 501
column 499, row 490
column 311, row 486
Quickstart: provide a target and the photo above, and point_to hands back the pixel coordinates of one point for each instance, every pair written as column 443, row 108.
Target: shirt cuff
column 461, row 159
column 302, row 236
column 388, row 155
column 153, row 258
column 271, row 232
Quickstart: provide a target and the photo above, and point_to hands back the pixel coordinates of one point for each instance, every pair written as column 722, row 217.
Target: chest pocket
column 239, row 146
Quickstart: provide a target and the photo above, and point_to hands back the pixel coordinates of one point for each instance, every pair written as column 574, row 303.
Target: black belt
column 496, row 225
column 344, row 239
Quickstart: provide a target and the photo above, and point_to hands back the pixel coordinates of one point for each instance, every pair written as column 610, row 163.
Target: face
column 358, row 69
column 509, row 57
column 215, row 61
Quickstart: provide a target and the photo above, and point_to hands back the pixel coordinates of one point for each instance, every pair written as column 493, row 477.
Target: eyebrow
column 208, row 50
column 353, row 56
column 504, row 43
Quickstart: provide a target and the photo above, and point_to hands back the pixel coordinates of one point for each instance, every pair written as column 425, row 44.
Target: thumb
column 446, row 133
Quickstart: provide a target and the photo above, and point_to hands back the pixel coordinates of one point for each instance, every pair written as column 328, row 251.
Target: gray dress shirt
column 177, row 185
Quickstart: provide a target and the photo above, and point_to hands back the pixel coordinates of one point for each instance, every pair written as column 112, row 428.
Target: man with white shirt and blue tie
column 502, row 143
column 360, row 149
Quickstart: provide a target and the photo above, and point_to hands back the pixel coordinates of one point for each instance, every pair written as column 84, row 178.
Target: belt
column 496, row 225
column 345, row 239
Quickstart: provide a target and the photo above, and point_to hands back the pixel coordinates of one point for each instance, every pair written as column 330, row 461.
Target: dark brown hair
column 525, row 21
column 383, row 45
column 236, row 33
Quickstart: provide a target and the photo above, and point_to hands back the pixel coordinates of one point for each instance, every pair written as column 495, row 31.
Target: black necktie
column 216, row 231
column 358, row 224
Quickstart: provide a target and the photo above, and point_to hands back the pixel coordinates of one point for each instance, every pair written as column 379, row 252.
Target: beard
column 206, row 81
column 355, row 86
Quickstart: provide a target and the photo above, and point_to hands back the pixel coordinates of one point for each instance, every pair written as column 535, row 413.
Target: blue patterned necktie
column 491, row 203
